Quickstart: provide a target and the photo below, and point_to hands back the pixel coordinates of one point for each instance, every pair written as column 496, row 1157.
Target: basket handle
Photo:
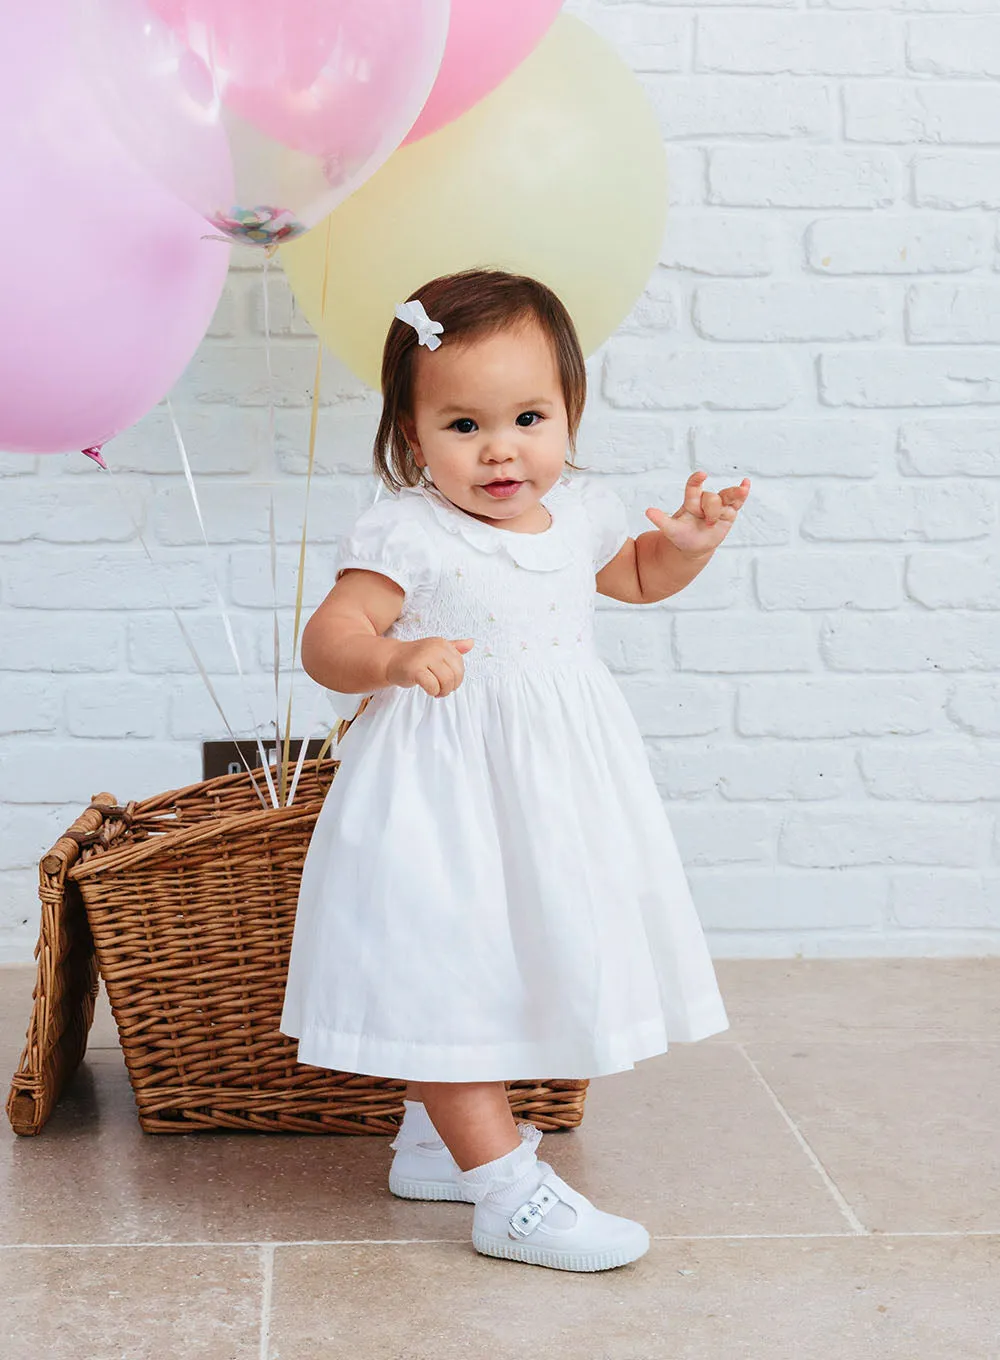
column 90, row 827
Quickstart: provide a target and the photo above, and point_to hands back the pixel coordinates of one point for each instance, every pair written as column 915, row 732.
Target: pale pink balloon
column 314, row 95
column 110, row 285
column 487, row 39
column 316, row 74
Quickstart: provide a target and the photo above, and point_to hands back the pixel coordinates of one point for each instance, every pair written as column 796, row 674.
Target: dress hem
column 559, row 1061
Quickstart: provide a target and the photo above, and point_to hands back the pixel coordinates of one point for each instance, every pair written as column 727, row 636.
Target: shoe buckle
column 525, row 1220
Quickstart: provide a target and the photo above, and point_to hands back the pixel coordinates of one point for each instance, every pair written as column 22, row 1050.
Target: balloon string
column 271, row 531
column 162, row 580
column 309, row 729
column 223, row 611
column 313, row 423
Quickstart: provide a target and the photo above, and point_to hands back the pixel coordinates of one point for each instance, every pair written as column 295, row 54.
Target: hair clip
column 414, row 315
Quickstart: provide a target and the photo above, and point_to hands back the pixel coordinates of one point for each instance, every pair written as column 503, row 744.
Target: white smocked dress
column 492, row 891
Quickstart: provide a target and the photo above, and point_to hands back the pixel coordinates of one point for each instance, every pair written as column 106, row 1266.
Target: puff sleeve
column 608, row 520
column 389, row 538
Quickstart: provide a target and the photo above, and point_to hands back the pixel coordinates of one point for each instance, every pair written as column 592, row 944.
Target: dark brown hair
column 473, row 303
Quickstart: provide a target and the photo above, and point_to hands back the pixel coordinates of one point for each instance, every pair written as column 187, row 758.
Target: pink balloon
column 320, row 77
column 313, row 96
column 487, row 39
column 111, row 285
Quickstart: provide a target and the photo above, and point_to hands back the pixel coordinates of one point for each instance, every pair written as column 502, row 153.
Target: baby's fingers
column 711, row 506
column 693, row 493
column 736, row 495
column 464, row 644
column 428, row 681
column 449, row 675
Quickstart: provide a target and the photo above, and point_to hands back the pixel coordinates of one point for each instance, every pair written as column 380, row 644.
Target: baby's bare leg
column 473, row 1118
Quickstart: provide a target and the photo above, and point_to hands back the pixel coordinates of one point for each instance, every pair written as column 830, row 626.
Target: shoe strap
column 526, row 1219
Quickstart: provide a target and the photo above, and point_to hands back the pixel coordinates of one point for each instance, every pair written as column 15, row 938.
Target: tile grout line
column 461, row 1241
column 838, row 1198
column 267, row 1271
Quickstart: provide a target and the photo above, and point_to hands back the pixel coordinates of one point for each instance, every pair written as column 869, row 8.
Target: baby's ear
column 409, row 431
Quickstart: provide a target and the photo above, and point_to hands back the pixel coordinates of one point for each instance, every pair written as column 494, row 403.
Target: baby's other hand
column 704, row 519
column 435, row 664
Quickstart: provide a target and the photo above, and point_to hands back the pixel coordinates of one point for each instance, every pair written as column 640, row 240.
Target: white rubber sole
column 533, row 1255
column 435, row 1190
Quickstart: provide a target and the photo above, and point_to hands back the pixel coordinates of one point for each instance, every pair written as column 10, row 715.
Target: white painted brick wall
column 822, row 706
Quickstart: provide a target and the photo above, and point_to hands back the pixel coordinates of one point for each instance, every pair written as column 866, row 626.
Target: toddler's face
column 489, row 423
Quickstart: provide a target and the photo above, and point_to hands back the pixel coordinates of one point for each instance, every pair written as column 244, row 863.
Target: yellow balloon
column 560, row 173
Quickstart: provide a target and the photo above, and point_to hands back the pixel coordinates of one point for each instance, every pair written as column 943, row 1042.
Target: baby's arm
column 664, row 560
column 648, row 569
column 343, row 647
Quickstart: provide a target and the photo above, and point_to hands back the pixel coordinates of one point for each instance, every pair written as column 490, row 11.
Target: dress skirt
column 493, row 891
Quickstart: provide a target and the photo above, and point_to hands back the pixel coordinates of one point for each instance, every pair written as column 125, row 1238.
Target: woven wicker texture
column 190, row 902
column 67, row 981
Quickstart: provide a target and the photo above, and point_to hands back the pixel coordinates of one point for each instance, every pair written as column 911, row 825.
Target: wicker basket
column 186, row 903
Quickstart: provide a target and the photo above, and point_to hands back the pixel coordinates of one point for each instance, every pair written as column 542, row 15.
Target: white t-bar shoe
column 594, row 1241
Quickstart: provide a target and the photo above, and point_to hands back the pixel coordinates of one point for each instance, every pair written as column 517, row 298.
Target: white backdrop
column 822, row 706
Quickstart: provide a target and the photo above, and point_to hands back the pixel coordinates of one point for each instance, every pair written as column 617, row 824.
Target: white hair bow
column 414, row 315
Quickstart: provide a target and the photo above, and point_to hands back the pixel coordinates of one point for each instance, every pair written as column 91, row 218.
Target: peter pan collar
column 547, row 551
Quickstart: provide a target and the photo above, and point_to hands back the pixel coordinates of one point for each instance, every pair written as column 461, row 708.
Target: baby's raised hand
column 704, row 519
column 435, row 664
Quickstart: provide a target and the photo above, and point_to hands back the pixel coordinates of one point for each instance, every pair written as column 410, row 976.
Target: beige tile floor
column 821, row 1181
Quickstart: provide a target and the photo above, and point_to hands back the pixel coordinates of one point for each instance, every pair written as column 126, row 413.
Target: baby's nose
column 499, row 448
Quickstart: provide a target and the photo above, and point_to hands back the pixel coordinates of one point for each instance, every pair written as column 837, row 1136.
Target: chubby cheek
column 447, row 461
column 551, row 454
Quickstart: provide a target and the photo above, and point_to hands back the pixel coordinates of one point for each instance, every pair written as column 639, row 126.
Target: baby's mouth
column 502, row 488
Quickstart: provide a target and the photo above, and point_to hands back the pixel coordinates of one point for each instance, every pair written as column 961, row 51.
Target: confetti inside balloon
column 258, row 226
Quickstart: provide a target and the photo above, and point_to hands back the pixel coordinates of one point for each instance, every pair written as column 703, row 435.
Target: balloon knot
column 95, row 453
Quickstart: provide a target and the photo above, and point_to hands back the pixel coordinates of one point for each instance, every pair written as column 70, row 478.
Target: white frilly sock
column 509, row 1180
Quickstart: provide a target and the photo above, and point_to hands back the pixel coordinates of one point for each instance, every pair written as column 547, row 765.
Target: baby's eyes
column 465, row 425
